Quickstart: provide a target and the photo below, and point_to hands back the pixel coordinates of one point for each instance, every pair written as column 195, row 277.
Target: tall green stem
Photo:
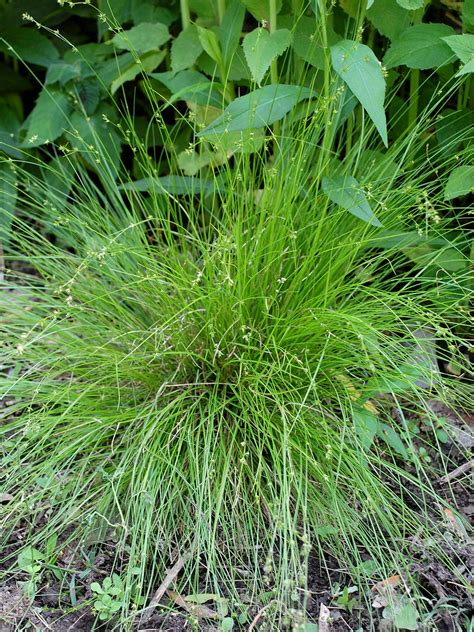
column 414, row 79
column 273, row 28
column 185, row 14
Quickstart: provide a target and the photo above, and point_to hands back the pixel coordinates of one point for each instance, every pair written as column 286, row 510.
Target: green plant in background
column 229, row 263
column 110, row 597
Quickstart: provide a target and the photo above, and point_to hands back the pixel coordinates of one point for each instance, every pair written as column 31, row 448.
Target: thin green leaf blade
column 360, row 69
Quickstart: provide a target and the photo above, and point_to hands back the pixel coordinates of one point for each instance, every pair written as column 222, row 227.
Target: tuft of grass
column 231, row 371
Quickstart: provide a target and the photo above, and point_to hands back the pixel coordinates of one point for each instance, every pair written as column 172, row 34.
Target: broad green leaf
column 116, row 11
column 12, row 81
column 142, row 38
column 9, row 130
column 8, row 196
column 460, row 182
column 148, row 11
column 467, row 13
column 61, row 72
column 261, row 48
column 210, row 43
column 389, row 18
column 59, row 177
column 392, row 439
column 96, row 138
column 227, row 624
column 259, row 108
column 173, row 185
column 201, row 598
column 29, row 45
column 360, row 69
column 48, row 119
column 411, row 4
column 347, row 192
column 306, row 41
column 185, row 49
column 365, row 424
column 466, row 69
column 403, row 614
column 421, row 46
column 453, row 128
column 190, row 85
column 230, row 30
column 351, row 7
column 148, row 63
column 463, row 48
column 260, row 9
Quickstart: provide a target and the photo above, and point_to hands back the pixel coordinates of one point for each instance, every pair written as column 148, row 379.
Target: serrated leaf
column 59, row 177
column 347, row 192
column 360, row 69
column 96, row 139
column 411, row 5
column 421, row 46
column 48, row 119
column 61, row 72
column 392, row 439
column 148, row 11
column 366, row 425
column 116, row 10
column 307, row 41
column 8, row 197
column 230, row 30
column 260, row 9
column 190, row 85
column 257, row 109
column 389, row 18
column 261, row 48
column 463, row 48
column 185, row 49
column 148, row 63
column 460, row 182
column 143, row 38
column 29, row 45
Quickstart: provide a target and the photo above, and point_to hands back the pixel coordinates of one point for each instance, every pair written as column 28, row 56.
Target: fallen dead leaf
column 200, row 611
column 453, row 523
column 324, row 618
column 387, row 585
column 169, row 578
